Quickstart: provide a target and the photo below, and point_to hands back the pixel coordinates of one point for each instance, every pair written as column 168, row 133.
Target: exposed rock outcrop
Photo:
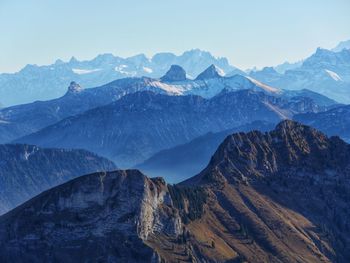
column 281, row 196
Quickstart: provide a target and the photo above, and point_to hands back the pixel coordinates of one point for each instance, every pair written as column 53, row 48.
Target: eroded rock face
column 101, row 216
column 290, row 149
column 153, row 218
column 281, row 196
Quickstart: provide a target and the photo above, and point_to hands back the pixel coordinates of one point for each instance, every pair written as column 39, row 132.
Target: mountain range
column 133, row 128
column 14, row 121
column 325, row 72
column 27, row 170
column 332, row 122
column 48, row 82
column 281, row 196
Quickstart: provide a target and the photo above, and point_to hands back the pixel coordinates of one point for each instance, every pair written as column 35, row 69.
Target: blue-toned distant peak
column 175, row 73
column 342, row 45
column 211, row 72
column 74, row 88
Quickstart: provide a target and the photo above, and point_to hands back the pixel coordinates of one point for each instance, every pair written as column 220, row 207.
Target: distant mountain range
column 14, row 121
column 342, row 45
column 27, row 170
column 138, row 125
column 281, row 196
column 48, row 82
column 332, row 122
column 326, row 72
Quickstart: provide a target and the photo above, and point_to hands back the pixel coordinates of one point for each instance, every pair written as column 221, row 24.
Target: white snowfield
column 210, row 87
column 85, row 71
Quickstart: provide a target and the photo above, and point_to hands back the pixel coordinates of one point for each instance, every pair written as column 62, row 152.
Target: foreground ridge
column 280, row 196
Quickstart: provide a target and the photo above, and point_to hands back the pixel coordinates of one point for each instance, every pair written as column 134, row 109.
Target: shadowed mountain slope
column 281, row 196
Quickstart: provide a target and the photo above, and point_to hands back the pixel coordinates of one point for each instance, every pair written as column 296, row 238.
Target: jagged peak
column 74, row 88
column 197, row 51
column 322, row 51
column 59, row 62
column 175, row 73
column 211, row 72
column 269, row 70
column 73, row 60
column 291, row 146
column 289, row 125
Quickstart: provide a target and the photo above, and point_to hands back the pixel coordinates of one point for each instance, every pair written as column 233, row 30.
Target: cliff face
column 281, row 196
column 101, row 216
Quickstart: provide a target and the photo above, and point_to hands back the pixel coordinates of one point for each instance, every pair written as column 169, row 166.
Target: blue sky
column 249, row 33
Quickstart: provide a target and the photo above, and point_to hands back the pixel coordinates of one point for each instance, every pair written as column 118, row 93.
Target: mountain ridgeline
column 48, row 82
column 278, row 196
column 325, row 72
column 140, row 124
column 27, row 170
column 14, row 121
column 335, row 121
column 182, row 161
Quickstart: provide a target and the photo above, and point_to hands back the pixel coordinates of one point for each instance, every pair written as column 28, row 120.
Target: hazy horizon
column 43, row 31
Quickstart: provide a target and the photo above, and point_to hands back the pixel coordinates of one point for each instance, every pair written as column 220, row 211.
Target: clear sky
column 248, row 32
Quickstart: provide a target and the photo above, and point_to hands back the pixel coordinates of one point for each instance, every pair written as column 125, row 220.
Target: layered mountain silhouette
column 183, row 161
column 14, row 121
column 48, row 82
column 27, row 170
column 325, row 72
column 332, row 122
column 279, row 196
column 138, row 125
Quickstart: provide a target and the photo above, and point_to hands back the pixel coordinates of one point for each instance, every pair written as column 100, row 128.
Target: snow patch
column 84, row 71
column 166, row 87
column 263, row 86
column 333, row 75
column 220, row 71
column 121, row 69
column 147, row 70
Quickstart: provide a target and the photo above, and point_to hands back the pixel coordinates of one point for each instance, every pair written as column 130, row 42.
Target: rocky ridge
column 280, row 196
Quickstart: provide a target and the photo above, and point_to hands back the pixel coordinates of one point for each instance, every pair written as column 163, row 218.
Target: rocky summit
column 211, row 72
column 74, row 88
column 279, row 196
column 175, row 73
